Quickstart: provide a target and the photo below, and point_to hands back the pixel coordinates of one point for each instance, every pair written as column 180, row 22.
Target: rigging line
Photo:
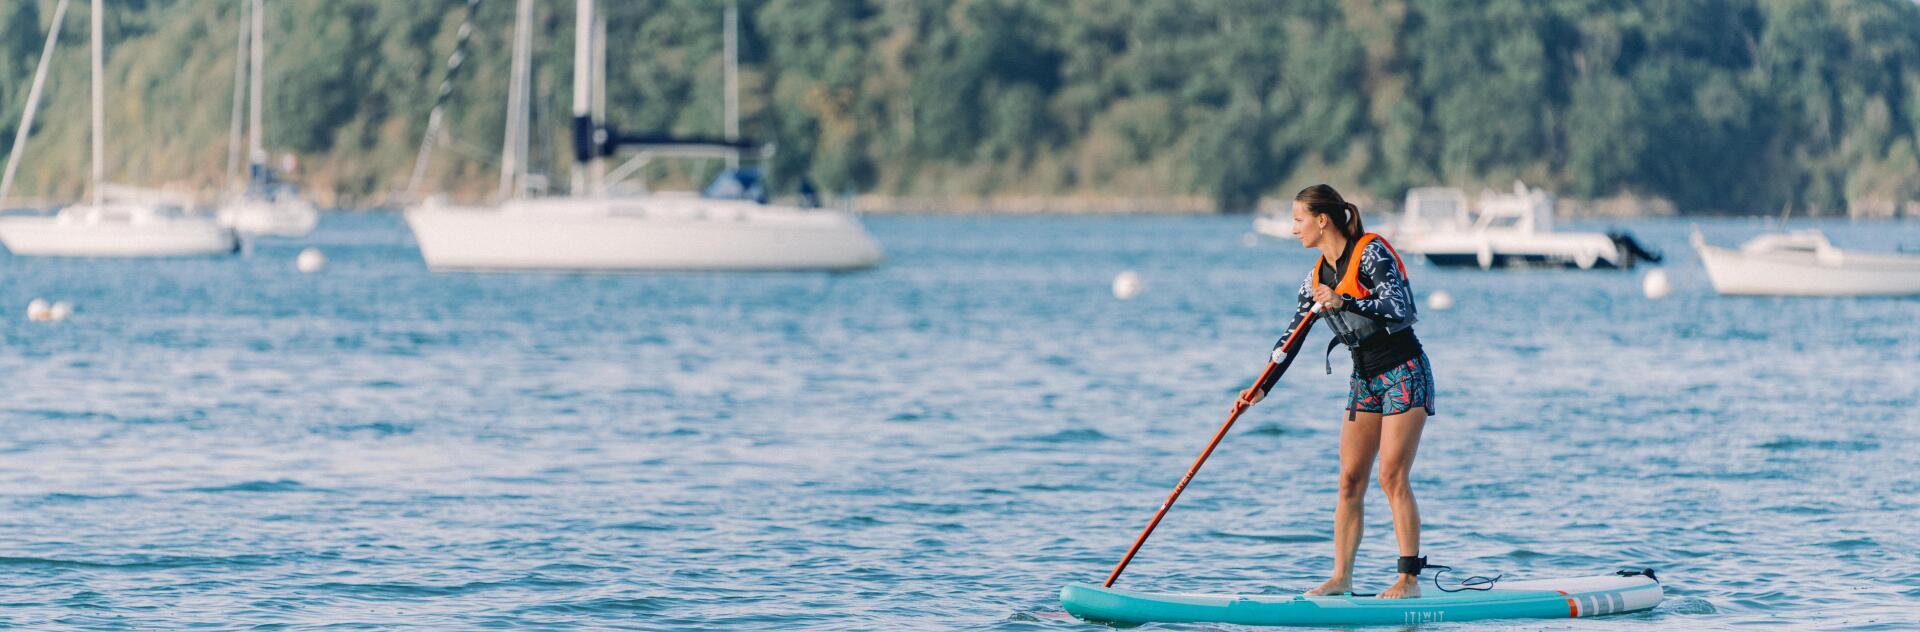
column 437, row 116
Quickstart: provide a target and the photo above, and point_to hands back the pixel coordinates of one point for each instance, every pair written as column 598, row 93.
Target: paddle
column 1239, row 406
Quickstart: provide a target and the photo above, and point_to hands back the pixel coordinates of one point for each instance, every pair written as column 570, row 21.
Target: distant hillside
column 1713, row 106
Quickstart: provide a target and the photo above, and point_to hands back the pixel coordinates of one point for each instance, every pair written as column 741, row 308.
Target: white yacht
column 264, row 205
column 607, row 224
column 114, row 223
column 130, row 227
column 649, row 232
column 1805, row 263
column 1505, row 231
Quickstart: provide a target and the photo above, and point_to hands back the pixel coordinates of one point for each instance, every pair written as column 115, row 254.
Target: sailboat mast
column 234, row 132
column 99, row 109
column 527, row 101
column 514, row 147
column 33, row 100
column 597, row 168
column 256, row 143
column 733, row 79
column 583, row 125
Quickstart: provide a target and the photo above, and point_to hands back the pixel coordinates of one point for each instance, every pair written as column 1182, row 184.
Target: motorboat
column 1275, row 224
column 607, row 222
column 116, row 221
column 1805, row 263
column 1505, row 230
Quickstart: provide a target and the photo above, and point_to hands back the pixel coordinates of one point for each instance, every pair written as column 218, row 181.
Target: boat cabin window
column 1438, row 208
column 1503, row 221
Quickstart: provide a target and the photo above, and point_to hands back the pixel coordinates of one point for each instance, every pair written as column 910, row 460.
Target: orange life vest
column 1350, row 287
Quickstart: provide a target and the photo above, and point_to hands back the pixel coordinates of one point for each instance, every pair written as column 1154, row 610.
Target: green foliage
column 1717, row 105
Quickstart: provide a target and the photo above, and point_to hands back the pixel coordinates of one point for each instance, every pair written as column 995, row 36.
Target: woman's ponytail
column 1321, row 199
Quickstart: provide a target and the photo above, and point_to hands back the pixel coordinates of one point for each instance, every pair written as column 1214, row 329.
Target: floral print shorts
column 1399, row 390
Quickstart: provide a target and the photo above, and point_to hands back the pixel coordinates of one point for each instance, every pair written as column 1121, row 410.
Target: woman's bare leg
column 1399, row 440
column 1359, row 440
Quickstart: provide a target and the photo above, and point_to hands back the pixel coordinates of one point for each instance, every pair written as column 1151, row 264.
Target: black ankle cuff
column 1411, row 564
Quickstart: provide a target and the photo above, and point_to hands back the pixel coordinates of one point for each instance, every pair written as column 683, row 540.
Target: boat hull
column 1823, row 273
column 270, row 219
column 1515, row 260
column 1580, row 251
column 589, row 235
column 49, row 237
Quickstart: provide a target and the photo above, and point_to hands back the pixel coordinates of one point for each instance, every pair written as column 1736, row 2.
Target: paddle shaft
column 1238, row 407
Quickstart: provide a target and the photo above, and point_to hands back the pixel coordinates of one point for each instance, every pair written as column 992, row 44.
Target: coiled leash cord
column 1412, row 565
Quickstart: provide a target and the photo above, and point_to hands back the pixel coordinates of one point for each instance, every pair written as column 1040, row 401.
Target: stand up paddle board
column 1627, row 591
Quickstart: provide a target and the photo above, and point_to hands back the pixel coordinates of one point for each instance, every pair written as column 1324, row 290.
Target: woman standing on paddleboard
column 1361, row 287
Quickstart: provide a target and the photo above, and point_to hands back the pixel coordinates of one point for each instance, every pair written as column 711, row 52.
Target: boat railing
column 647, row 151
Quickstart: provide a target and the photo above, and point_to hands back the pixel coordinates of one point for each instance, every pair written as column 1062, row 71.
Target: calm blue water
column 939, row 443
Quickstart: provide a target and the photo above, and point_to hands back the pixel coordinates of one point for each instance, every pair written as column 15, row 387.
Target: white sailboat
column 265, row 205
column 1506, row 231
column 112, row 223
column 1805, row 263
column 605, row 225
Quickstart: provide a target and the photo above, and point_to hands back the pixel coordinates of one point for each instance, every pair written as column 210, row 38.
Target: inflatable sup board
column 1627, row 591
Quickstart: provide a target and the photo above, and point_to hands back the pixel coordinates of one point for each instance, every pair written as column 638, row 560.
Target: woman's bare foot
column 1335, row 586
column 1408, row 587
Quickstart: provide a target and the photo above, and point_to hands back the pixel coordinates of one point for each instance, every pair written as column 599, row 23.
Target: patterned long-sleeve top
column 1389, row 301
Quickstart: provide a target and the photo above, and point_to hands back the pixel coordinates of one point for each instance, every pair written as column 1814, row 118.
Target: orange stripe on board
column 1573, row 607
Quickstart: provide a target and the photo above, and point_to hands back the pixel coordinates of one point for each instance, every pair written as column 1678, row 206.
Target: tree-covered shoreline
column 1703, row 106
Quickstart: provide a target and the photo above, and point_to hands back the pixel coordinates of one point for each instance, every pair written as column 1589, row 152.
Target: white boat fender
column 1830, row 256
column 1586, row 259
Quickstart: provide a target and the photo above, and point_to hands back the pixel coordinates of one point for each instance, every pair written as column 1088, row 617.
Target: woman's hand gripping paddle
column 1239, row 406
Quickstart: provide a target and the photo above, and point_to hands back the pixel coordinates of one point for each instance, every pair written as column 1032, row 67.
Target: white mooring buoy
column 1440, row 301
column 1655, row 284
column 1127, row 285
column 310, row 261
